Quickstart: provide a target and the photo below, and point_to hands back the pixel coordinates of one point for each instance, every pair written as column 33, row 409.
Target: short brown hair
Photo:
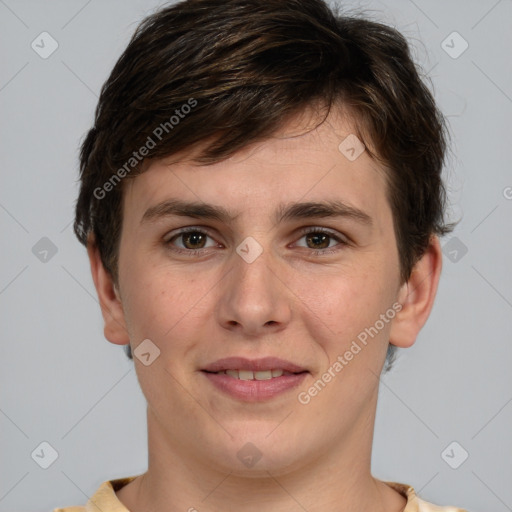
column 246, row 67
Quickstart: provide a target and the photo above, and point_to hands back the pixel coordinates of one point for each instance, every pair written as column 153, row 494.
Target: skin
column 288, row 303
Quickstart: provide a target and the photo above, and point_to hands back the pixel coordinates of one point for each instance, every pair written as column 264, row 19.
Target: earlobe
column 417, row 296
column 109, row 298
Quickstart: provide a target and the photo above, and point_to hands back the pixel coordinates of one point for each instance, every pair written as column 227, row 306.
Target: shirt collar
column 105, row 497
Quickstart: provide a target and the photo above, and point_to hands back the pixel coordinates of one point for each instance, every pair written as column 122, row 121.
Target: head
column 243, row 105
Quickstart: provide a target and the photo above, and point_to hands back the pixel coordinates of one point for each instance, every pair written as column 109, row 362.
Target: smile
column 254, row 375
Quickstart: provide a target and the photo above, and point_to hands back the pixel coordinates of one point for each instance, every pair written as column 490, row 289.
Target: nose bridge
column 252, row 270
column 253, row 297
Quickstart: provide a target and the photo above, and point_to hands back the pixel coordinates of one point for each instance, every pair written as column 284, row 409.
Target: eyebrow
column 284, row 212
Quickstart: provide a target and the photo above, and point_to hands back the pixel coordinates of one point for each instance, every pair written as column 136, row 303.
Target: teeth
column 245, row 375
column 258, row 375
column 264, row 375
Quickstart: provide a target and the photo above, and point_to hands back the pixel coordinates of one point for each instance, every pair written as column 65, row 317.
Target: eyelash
column 303, row 232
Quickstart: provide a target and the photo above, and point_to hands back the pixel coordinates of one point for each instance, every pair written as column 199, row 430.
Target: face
column 290, row 275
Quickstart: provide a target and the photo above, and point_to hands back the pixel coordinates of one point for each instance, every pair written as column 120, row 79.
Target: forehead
column 299, row 163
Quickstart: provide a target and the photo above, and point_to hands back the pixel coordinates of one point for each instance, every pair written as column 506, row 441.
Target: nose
column 254, row 299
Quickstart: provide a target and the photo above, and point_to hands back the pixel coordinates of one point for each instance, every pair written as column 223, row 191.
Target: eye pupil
column 321, row 238
column 193, row 238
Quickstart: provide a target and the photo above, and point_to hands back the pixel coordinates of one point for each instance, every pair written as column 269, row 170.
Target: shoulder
column 424, row 506
column 104, row 499
column 416, row 504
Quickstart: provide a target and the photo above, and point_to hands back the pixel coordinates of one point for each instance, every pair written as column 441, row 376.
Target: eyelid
column 340, row 238
column 188, row 229
column 328, row 231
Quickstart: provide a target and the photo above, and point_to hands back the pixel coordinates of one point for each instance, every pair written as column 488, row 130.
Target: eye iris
column 193, row 238
column 321, row 238
column 196, row 240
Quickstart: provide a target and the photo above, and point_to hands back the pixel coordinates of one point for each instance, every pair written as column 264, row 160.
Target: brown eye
column 193, row 239
column 318, row 240
column 190, row 240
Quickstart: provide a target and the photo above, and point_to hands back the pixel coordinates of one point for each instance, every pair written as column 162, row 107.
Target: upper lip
column 242, row 363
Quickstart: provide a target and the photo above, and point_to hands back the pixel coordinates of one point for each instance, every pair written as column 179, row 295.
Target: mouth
column 254, row 380
column 255, row 375
column 263, row 364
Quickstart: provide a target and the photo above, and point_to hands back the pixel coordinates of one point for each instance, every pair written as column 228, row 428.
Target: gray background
column 62, row 383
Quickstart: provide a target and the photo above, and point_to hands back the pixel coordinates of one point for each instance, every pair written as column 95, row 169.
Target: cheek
column 156, row 301
column 339, row 307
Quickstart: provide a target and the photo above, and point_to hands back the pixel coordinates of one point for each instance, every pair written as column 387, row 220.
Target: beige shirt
column 105, row 499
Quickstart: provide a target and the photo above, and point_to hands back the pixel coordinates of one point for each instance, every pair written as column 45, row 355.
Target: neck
column 339, row 479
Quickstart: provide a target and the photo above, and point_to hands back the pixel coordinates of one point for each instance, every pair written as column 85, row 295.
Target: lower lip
column 255, row 390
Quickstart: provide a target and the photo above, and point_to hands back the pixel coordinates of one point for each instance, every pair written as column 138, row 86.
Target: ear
column 110, row 302
column 417, row 296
